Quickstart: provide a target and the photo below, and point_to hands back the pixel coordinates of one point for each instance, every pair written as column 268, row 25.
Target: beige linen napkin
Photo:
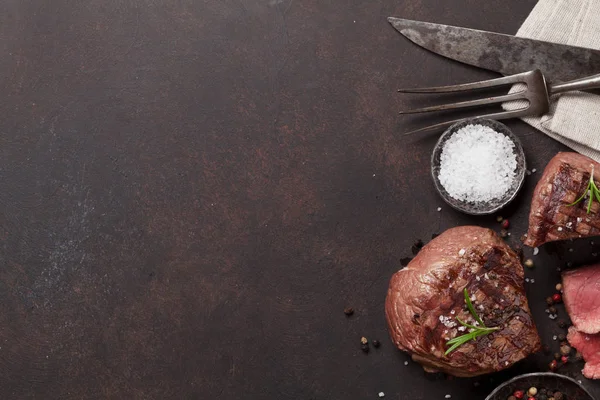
column 574, row 118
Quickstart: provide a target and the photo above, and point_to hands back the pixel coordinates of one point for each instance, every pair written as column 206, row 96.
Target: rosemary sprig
column 476, row 331
column 592, row 190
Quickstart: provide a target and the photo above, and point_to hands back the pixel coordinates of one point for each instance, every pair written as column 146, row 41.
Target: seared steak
column 551, row 218
column 581, row 294
column 425, row 298
column 589, row 347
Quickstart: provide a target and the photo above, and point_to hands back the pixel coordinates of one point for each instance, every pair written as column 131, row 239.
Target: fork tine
column 506, row 80
column 497, row 116
column 470, row 103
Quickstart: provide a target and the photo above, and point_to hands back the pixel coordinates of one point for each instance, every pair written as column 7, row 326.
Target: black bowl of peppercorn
column 540, row 386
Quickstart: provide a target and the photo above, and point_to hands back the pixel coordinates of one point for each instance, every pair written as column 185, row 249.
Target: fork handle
column 590, row 82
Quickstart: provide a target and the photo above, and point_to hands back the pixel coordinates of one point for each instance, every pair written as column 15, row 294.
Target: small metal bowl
column 487, row 207
column 568, row 386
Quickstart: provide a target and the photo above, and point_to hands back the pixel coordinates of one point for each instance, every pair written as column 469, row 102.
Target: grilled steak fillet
column 551, row 218
column 425, row 298
column 581, row 295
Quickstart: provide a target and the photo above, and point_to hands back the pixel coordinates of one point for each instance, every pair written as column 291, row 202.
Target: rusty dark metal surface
column 193, row 191
column 502, row 53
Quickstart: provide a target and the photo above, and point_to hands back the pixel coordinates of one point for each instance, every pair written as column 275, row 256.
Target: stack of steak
column 554, row 216
column 581, row 294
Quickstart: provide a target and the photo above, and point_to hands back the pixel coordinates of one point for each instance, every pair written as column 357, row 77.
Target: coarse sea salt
column 477, row 164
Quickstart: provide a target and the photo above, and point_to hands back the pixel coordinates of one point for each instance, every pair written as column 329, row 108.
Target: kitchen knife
column 501, row 53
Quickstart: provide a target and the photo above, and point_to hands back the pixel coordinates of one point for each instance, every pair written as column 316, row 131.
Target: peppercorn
column 557, row 356
column 562, row 337
column 416, row 247
column 565, row 350
column 562, row 323
column 531, row 398
column 532, row 391
column 558, row 396
column 556, row 297
column 553, row 365
column 505, row 224
column 552, row 310
column 578, row 356
column 529, row 263
column 558, row 287
column 564, row 359
column 549, row 301
column 503, row 233
column 543, row 391
column 541, row 397
column 348, row 311
column 499, row 218
column 519, row 394
column 364, row 340
column 376, row 343
column 364, row 348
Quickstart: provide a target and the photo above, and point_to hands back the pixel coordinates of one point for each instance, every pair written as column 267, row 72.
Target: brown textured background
column 192, row 192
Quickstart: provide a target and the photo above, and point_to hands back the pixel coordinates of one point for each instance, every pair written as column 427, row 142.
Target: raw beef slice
column 581, row 294
column 589, row 347
column 551, row 218
column 425, row 299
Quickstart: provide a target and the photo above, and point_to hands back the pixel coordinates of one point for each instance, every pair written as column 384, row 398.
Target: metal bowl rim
column 536, row 374
column 521, row 176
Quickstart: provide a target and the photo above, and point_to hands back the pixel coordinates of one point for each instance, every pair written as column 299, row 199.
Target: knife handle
column 590, row 82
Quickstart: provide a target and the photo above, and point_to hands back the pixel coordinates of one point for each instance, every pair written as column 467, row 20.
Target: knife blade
column 502, row 53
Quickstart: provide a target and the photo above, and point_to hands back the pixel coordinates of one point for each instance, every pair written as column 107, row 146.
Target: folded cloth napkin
column 574, row 117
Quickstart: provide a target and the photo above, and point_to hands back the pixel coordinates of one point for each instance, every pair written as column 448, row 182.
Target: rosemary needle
column 476, row 331
column 591, row 190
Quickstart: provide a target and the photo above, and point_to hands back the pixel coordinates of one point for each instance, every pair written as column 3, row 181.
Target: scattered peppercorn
column 499, row 218
column 558, row 287
column 519, row 394
column 529, row 263
column 348, row 311
column 531, row 398
column 562, row 337
column 552, row 310
column 564, row 359
column 376, row 343
column 543, row 391
column 364, row 348
column 503, row 233
column 557, row 356
column 558, row 396
column 417, row 246
column 512, row 398
column 549, row 301
column 364, row 340
column 532, row 391
column 565, row 350
column 505, row 224
column 556, row 297
column 562, row 323
column 553, row 365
